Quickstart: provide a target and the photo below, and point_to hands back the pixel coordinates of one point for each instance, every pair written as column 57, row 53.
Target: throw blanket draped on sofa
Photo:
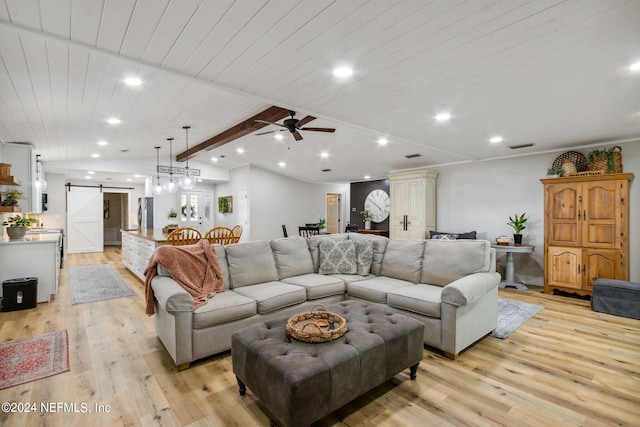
column 194, row 267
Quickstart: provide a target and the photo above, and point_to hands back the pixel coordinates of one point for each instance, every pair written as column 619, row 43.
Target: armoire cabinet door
column 563, row 207
column 600, row 214
column 564, row 267
column 599, row 263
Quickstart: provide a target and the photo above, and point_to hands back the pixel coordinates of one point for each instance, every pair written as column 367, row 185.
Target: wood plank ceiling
column 549, row 72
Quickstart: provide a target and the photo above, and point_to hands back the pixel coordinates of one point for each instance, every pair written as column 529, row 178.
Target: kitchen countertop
column 33, row 238
column 156, row 234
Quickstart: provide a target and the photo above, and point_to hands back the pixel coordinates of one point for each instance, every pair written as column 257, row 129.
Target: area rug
column 91, row 283
column 29, row 359
column 513, row 314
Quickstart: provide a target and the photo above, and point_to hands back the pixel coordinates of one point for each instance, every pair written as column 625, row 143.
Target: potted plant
column 601, row 158
column 367, row 219
column 322, row 223
column 517, row 222
column 554, row 171
column 172, row 215
column 17, row 226
column 11, row 197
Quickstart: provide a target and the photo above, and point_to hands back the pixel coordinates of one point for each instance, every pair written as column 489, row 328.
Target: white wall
column 56, row 214
column 481, row 196
column 238, row 178
column 275, row 200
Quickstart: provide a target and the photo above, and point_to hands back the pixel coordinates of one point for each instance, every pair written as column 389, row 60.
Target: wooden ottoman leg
column 413, row 371
column 242, row 387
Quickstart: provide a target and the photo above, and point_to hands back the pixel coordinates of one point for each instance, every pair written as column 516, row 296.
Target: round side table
column 510, row 267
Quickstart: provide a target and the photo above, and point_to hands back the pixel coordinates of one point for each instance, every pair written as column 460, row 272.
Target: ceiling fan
column 293, row 125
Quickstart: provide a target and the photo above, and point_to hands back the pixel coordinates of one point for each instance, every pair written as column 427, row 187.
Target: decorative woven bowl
column 576, row 158
column 316, row 326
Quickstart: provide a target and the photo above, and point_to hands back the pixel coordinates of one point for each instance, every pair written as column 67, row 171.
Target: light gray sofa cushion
column 448, row 260
column 379, row 244
column 251, row 263
column 272, row 296
column 292, row 256
column 224, row 307
column 364, row 257
column 313, row 243
column 421, row 299
column 403, row 260
column 317, row 285
column 375, row 289
column 337, row 257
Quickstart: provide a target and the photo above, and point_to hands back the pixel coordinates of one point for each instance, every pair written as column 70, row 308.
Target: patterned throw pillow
column 338, row 257
column 444, row 236
column 364, row 256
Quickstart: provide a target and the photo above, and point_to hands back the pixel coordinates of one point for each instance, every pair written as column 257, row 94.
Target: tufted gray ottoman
column 300, row 383
column 617, row 297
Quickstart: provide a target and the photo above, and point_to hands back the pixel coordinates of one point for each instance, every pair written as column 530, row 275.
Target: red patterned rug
column 33, row 358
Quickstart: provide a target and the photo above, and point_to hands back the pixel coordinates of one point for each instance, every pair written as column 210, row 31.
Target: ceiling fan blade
column 304, row 121
column 320, row 129
column 271, row 131
column 269, row 123
column 297, row 136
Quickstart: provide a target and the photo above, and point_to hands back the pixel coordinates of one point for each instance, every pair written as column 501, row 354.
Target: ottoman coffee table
column 300, row 383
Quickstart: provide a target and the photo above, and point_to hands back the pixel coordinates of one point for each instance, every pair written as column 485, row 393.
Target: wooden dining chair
column 351, row 228
column 236, row 232
column 219, row 235
column 284, row 230
column 309, row 231
column 184, row 236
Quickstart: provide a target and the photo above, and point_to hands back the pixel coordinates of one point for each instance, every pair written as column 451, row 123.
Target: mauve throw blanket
column 194, row 267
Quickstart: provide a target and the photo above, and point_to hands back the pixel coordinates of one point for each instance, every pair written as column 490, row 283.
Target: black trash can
column 19, row 294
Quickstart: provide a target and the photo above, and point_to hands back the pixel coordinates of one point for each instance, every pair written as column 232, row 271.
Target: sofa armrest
column 468, row 289
column 171, row 296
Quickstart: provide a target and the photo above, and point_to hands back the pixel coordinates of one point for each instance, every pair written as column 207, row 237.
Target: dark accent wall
column 359, row 192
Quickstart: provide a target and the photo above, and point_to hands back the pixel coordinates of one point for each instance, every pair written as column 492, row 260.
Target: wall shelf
column 8, row 180
column 10, row 209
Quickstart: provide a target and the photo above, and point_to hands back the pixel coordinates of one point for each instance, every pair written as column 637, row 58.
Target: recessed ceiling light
column 495, row 139
column 214, row 159
column 279, row 136
column 199, row 180
column 95, row 155
column 635, row 66
column 443, row 117
column 324, row 154
column 240, row 150
column 129, row 180
column 282, row 164
column 342, row 72
column 113, row 121
column 138, row 176
column 91, row 172
column 383, row 141
column 87, row 177
column 132, row 81
column 102, row 143
column 367, row 177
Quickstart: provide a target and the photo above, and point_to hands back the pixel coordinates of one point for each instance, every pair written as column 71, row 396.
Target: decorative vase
column 16, row 233
column 367, row 225
column 517, row 239
column 568, row 167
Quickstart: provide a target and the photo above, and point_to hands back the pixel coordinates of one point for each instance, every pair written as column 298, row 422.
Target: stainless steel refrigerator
column 145, row 213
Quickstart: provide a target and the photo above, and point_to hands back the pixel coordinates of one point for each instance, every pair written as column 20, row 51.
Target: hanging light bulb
column 170, row 186
column 186, row 181
column 41, row 184
column 157, row 189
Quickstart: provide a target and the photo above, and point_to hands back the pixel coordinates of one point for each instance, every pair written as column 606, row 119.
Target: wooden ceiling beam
column 271, row 114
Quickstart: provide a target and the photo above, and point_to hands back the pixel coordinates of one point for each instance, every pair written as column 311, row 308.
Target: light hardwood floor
column 568, row 366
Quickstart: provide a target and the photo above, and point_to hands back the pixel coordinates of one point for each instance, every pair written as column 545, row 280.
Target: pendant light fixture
column 186, row 181
column 170, row 186
column 41, row 184
column 157, row 189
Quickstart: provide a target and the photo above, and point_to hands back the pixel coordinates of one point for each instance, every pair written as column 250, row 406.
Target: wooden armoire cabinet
column 586, row 231
column 413, row 204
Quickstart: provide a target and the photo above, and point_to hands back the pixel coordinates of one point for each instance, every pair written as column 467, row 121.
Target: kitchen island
column 138, row 246
column 37, row 255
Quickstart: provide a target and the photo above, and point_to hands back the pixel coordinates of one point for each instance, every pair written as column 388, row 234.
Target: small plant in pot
column 517, row 222
column 367, row 219
column 17, row 226
column 172, row 215
column 554, row 171
column 10, row 197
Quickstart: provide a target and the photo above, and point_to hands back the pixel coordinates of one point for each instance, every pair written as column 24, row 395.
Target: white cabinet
column 38, row 255
column 413, row 204
column 136, row 253
column 22, row 159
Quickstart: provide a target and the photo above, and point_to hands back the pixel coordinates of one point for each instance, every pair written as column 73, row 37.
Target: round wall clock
column 378, row 205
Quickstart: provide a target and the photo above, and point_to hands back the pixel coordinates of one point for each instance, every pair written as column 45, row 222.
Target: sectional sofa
column 450, row 286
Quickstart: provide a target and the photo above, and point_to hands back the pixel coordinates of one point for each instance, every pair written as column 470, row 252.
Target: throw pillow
column 364, row 256
column 459, row 236
column 337, row 257
column 445, row 236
